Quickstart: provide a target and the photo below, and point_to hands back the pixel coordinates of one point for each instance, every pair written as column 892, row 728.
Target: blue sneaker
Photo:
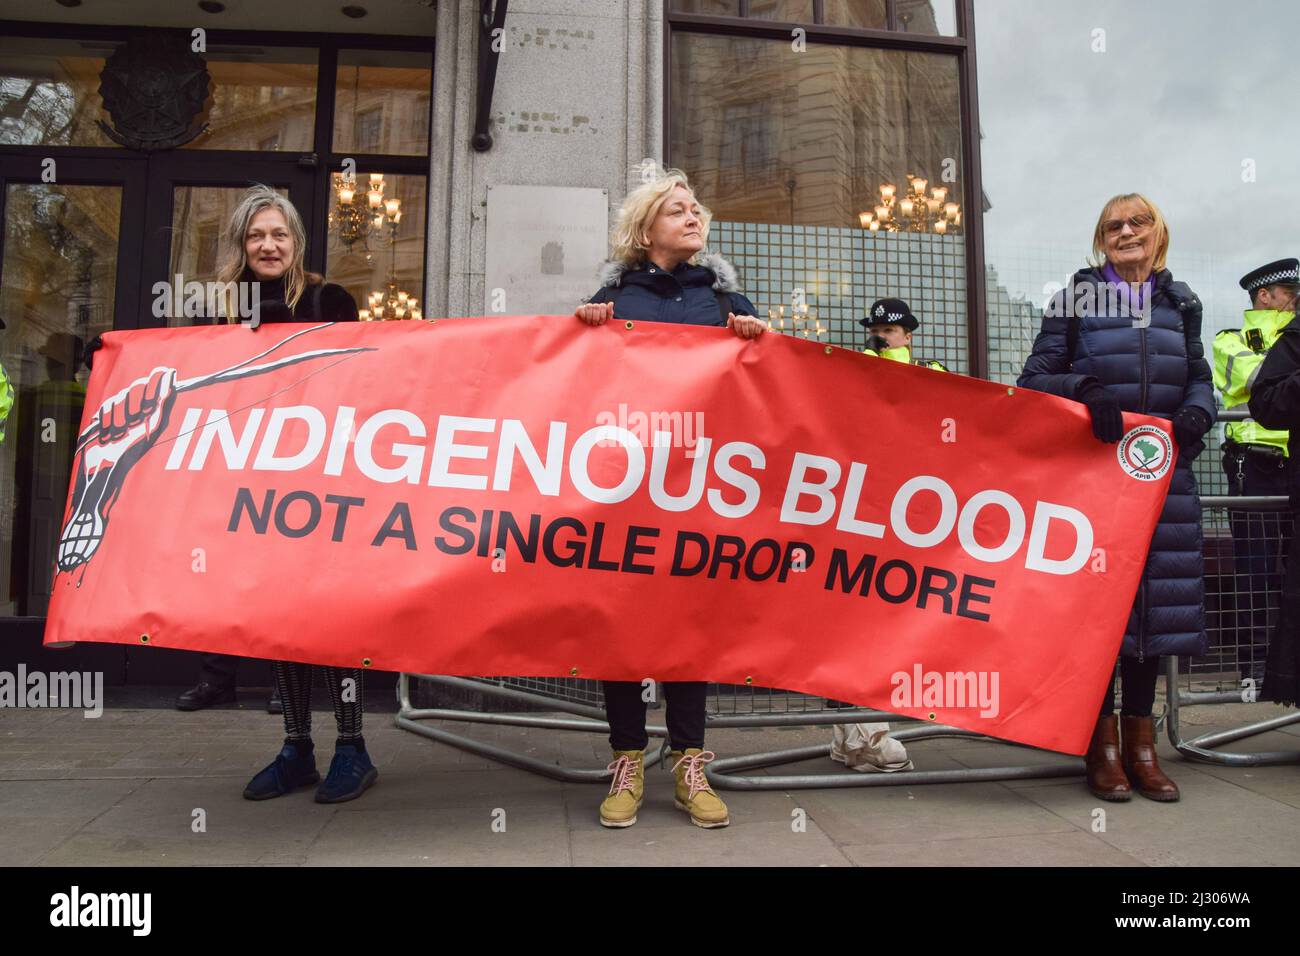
column 293, row 767
column 351, row 773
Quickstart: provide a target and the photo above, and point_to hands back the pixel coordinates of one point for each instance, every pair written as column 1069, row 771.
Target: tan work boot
column 619, row 808
column 693, row 793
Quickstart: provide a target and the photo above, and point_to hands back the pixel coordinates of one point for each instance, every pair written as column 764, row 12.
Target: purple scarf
column 1134, row 296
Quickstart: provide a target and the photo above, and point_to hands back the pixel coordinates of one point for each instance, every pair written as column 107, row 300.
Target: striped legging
column 294, row 681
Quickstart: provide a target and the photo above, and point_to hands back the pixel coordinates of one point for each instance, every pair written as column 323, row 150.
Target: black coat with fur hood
column 646, row 293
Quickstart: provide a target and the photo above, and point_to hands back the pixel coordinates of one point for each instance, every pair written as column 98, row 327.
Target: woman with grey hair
column 266, row 243
column 658, row 272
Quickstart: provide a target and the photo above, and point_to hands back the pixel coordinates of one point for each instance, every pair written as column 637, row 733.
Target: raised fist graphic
column 125, row 427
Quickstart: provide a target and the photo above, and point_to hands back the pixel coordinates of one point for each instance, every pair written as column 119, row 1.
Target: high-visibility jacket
column 6, row 400
column 1238, row 355
column 904, row 354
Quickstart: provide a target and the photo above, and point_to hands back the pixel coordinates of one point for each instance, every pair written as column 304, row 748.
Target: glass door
column 190, row 203
column 67, row 274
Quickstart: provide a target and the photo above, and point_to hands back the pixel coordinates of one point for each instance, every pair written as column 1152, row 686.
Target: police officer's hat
column 890, row 311
column 1282, row 272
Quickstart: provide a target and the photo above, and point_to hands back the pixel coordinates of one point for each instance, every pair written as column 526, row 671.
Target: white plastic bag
column 868, row 748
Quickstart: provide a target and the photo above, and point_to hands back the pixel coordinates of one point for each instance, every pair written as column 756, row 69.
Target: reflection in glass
column 931, row 17
column 382, row 102
column 388, row 259
column 792, row 154
column 714, row 8
column 790, row 11
column 263, row 98
column 57, row 282
column 49, row 92
column 867, row 14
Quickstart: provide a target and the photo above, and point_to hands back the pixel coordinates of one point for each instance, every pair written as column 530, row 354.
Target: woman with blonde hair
column 658, row 272
column 1124, row 336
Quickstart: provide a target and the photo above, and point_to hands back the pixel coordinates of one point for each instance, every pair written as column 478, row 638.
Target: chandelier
column 355, row 214
column 802, row 322
column 914, row 212
column 391, row 303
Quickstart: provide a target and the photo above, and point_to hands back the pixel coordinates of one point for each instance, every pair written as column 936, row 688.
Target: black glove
column 1190, row 425
column 1190, row 451
column 88, row 354
column 1103, row 406
column 877, row 343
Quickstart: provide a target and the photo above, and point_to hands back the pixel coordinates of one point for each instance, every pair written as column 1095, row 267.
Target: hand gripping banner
column 528, row 495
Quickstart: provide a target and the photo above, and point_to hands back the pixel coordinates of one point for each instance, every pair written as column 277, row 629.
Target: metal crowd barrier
column 1245, row 543
column 1243, row 591
column 728, row 706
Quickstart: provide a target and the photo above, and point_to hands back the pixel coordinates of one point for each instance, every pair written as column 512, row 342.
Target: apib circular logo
column 1145, row 453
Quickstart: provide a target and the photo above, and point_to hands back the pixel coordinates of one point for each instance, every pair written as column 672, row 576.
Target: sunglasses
column 1140, row 221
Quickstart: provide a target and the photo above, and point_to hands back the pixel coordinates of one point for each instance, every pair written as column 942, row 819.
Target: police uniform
column 6, row 395
column 6, row 399
column 1256, row 457
column 895, row 312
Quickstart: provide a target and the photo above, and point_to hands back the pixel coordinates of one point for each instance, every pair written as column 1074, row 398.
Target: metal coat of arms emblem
column 154, row 88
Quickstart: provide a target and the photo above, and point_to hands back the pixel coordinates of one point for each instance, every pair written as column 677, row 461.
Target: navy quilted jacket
column 1155, row 370
column 645, row 293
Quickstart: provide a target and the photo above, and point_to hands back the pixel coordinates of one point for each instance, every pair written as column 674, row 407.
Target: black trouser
column 1259, row 541
column 625, row 707
column 1137, row 685
column 218, row 669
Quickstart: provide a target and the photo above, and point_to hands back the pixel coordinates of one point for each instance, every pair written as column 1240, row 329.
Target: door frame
column 127, row 171
column 172, row 169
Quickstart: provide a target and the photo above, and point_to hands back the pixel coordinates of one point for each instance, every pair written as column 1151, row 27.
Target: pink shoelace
column 695, row 778
column 622, row 769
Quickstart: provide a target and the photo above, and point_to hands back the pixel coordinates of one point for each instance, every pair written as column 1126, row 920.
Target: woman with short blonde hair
column 658, row 271
column 1125, row 337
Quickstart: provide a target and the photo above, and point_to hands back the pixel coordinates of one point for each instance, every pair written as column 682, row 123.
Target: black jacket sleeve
column 336, row 305
column 742, row 306
column 1049, row 367
column 1275, row 396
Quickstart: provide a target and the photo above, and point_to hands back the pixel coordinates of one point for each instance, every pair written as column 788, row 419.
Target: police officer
column 6, row 394
column 1275, row 403
column 890, row 324
column 1255, row 457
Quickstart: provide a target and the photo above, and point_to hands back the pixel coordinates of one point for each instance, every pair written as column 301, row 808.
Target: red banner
column 527, row 495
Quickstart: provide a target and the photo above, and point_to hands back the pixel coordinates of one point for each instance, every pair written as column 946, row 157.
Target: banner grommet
column 573, row 672
column 829, row 349
column 627, row 324
column 749, row 680
column 365, row 662
column 144, row 638
column 1011, row 391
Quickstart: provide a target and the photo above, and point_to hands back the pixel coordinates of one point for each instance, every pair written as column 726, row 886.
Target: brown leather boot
column 1106, row 777
column 1140, row 761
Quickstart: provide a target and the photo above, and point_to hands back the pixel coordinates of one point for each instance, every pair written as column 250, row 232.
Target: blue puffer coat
column 1155, row 370
column 645, row 293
